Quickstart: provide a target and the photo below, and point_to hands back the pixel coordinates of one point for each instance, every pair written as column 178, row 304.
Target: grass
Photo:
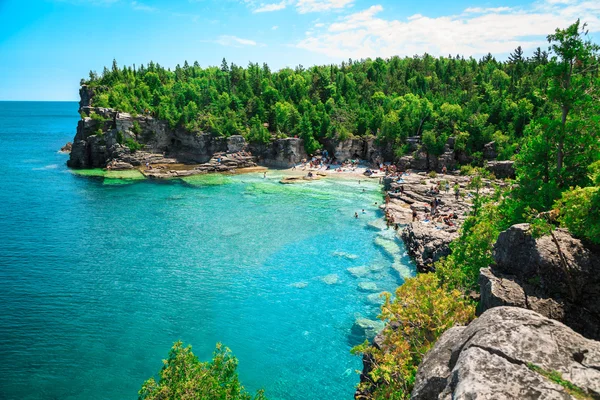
column 557, row 378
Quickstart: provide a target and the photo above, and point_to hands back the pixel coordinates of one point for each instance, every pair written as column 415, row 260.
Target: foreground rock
column 491, row 359
column 531, row 273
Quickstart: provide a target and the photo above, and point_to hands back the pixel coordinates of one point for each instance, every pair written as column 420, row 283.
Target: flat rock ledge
column 491, row 359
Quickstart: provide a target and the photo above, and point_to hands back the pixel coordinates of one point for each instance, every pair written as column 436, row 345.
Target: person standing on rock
column 265, row 175
column 456, row 191
column 414, row 215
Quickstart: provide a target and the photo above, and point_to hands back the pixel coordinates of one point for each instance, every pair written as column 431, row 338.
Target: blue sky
column 47, row 46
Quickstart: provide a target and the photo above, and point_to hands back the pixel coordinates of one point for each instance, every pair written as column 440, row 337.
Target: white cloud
column 229, row 40
column 474, row 33
column 271, row 7
column 302, row 6
column 306, row 6
column 481, row 10
column 142, row 7
column 274, row 28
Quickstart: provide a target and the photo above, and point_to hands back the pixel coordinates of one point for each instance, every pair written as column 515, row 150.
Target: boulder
column 531, row 273
column 489, row 151
column 502, row 169
column 67, row 148
column 365, row 328
column 426, row 244
column 507, row 353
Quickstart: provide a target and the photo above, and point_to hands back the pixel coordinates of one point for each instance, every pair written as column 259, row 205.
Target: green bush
column 133, row 145
column 579, row 211
column 184, row 377
column 423, row 310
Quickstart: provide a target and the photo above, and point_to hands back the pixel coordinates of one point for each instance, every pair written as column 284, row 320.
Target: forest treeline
column 476, row 101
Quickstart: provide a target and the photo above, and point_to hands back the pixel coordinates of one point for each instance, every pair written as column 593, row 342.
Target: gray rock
column 366, row 328
column 529, row 273
column 502, row 169
column 489, row 359
column 489, row 151
column 426, row 244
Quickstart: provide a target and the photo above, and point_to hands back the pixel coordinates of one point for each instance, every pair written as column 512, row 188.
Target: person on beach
column 456, row 192
column 265, row 175
column 415, row 216
column 447, row 187
column 444, row 170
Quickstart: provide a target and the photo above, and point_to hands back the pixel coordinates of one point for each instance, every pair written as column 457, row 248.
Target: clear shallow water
column 99, row 278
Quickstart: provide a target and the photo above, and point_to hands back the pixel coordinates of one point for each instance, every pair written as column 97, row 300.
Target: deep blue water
column 97, row 280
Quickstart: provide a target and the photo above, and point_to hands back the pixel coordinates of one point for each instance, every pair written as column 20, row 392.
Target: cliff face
column 556, row 276
column 103, row 139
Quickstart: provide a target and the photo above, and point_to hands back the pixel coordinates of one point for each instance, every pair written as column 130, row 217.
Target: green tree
column 184, row 377
column 572, row 71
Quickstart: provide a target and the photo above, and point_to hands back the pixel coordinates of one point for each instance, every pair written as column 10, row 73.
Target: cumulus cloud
column 475, row 32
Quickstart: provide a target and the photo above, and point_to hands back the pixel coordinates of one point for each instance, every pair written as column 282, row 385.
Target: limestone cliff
column 105, row 135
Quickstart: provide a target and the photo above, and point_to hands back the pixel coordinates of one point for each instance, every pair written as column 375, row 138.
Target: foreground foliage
column 421, row 311
column 184, row 377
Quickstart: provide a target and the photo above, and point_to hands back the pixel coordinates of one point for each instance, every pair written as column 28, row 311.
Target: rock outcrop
column 426, row 245
column 533, row 273
column 503, row 354
column 502, row 169
column 427, row 241
column 105, row 139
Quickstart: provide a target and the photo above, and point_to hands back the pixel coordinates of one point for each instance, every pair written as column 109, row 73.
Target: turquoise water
column 98, row 279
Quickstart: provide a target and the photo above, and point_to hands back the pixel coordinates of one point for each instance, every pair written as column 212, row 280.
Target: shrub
column 184, row 377
column 422, row 310
column 432, row 174
column 120, row 138
column 580, row 212
column 133, row 145
column 136, row 129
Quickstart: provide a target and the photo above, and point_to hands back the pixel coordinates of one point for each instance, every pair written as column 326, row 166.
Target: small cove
column 98, row 277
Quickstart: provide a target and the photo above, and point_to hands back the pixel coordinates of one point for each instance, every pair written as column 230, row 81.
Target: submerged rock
column 376, row 298
column 330, row 279
column 359, row 272
column 389, row 246
column 368, row 286
column 344, row 255
column 495, row 357
column 366, row 328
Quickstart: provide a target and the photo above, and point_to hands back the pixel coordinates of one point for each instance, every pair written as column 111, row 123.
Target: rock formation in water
column 508, row 353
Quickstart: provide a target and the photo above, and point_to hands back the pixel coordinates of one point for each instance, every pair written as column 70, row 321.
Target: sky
column 47, row 46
